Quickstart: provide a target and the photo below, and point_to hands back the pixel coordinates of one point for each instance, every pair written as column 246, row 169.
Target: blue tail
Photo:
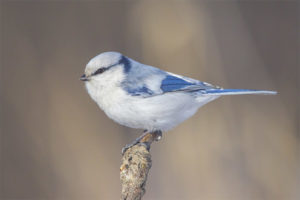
column 218, row 92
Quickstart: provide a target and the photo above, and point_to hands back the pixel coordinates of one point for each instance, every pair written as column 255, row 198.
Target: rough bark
column 136, row 163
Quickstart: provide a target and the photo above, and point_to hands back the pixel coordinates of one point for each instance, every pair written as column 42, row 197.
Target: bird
column 144, row 97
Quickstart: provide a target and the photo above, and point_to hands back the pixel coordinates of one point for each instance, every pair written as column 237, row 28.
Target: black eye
column 99, row 71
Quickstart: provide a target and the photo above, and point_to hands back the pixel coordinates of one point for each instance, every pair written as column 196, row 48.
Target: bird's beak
column 84, row 78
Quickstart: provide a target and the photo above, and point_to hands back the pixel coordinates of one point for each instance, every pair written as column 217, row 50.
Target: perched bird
column 144, row 97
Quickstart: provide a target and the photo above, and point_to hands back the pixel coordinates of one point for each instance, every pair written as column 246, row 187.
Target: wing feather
column 176, row 83
column 148, row 81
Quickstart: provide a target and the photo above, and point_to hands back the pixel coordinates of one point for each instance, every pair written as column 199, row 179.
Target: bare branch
column 136, row 163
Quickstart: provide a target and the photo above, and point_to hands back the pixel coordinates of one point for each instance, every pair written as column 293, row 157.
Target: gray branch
column 136, row 163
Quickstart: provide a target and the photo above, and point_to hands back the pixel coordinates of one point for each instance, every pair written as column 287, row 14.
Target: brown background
column 56, row 144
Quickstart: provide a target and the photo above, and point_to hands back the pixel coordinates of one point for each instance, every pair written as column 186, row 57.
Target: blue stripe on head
column 125, row 61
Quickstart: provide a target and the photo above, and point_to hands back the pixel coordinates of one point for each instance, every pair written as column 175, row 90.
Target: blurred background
column 56, row 144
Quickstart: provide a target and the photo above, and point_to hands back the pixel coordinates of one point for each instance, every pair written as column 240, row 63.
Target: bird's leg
column 137, row 140
column 150, row 137
column 145, row 139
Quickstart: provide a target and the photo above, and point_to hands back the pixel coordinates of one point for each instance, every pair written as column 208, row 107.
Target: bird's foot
column 145, row 139
column 127, row 146
column 135, row 142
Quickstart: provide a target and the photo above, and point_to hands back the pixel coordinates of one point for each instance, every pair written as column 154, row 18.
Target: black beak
column 84, row 78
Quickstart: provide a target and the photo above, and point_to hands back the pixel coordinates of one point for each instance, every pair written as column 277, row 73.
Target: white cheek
column 112, row 77
column 104, row 85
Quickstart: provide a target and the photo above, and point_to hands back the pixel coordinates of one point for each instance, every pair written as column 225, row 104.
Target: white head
column 104, row 73
column 105, row 69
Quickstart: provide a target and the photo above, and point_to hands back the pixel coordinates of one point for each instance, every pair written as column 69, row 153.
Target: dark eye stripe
column 100, row 71
column 123, row 61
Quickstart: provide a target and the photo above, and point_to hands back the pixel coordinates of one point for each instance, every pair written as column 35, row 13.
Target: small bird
column 145, row 97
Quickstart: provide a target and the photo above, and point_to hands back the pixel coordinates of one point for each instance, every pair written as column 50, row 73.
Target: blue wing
column 146, row 81
column 140, row 91
column 174, row 83
column 167, row 83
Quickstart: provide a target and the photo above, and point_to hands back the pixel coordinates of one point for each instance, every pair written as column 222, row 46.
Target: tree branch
column 136, row 163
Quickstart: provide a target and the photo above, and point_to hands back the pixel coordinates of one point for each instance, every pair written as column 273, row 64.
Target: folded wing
column 175, row 83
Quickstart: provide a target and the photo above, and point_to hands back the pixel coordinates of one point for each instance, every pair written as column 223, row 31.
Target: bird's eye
column 99, row 71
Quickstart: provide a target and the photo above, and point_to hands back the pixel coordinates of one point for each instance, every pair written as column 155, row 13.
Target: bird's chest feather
column 114, row 102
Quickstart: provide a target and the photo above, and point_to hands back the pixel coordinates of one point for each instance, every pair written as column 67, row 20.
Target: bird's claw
column 158, row 136
column 127, row 146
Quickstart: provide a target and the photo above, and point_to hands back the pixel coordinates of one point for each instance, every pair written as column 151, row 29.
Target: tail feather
column 218, row 92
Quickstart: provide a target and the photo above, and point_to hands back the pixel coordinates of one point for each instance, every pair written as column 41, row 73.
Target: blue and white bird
column 144, row 97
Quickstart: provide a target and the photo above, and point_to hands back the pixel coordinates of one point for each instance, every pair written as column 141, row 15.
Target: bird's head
column 105, row 69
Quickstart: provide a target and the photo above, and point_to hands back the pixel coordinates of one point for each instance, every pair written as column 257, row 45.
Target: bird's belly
column 161, row 112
